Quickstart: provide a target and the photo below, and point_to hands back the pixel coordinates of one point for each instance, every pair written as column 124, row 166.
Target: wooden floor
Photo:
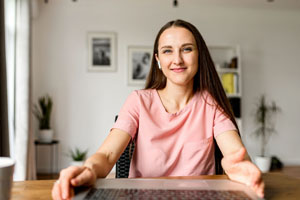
column 293, row 171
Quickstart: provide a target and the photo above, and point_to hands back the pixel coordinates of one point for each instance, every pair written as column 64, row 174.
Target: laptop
column 165, row 189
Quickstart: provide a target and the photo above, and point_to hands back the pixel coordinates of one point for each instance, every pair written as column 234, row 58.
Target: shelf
column 227, row 61
column 227, row 70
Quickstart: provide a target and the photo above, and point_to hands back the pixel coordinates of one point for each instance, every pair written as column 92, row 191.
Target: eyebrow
column 169, row 46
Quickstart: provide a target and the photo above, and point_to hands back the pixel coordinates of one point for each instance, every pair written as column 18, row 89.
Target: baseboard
column 291, row 162
column 47, row 171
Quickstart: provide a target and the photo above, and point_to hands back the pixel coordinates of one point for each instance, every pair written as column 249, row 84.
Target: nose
column 177, row 58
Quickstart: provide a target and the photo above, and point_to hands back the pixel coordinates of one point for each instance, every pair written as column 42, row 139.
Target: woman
column 174, row 121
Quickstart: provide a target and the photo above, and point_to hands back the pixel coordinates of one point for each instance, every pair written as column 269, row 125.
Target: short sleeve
column 128, row 118
column 222, row 123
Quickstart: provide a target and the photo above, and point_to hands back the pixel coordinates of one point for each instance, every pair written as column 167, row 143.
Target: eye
column 187, row 49
column 167, row 51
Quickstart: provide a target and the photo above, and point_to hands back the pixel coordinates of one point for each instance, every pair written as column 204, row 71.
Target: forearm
column 246, row 157
column 107, row 155
column 100, row 164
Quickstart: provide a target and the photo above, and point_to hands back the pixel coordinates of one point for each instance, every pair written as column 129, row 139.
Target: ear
column 156, row 57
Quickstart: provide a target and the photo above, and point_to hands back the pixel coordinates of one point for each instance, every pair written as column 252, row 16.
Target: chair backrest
column 218, row 157
column 123, row 164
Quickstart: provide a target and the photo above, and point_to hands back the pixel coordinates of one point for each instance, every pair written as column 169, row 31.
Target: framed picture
column 139, row 62
column 102, row 51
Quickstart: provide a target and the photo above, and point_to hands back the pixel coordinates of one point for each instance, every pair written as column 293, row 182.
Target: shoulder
column 207, row 98
column 144, row 93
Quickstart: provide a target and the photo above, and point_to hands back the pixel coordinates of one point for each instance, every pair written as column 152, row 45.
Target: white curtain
column 23, row 134
column 10, row 69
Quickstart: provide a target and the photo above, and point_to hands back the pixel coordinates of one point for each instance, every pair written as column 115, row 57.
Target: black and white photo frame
column 102, row 51
column 139, row 62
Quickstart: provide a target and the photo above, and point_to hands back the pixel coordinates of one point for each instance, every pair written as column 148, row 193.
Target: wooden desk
column 278, row 186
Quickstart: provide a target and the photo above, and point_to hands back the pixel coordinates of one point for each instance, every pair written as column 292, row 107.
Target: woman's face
column 178, row 55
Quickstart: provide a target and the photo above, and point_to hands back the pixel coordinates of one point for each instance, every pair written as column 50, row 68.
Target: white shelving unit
column 223, row 56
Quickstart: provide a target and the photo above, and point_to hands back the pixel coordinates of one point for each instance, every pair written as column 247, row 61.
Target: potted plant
column 43, row 114
column 264, row 116
column 78, row 156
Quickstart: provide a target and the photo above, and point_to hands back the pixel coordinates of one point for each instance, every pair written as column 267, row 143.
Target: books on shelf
column 230, row 82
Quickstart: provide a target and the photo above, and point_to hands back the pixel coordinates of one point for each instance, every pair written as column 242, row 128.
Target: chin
column 181, row 82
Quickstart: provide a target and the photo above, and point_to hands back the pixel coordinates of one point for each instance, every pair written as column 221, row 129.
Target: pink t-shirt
column 178, row 144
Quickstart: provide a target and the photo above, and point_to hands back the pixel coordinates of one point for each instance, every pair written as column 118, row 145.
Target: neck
column 176, row 94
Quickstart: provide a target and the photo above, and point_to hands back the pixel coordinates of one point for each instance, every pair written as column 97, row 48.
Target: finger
column 256, row 177
column 65, row 178
column 72, row 193
column 259, row 189
column 85, row 178
column 262, row 189
column 56, row 193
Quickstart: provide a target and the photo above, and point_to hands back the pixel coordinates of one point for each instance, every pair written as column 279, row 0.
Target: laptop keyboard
column 144, row 194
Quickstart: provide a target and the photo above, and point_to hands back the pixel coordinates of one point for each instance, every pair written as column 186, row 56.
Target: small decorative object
column 264, row 114
column 102, row 51
column 234, row 63
column 78, row 156
column 276, row 164
column 43, row 114
column 139, row 61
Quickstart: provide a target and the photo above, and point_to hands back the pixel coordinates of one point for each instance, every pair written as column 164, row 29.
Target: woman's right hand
column 97, row 166
column 71, row 177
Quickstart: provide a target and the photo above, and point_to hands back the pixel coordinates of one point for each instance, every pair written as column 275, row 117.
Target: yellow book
column 228, row 82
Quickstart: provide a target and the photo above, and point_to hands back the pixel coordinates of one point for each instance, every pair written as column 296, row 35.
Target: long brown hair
column 206, row 78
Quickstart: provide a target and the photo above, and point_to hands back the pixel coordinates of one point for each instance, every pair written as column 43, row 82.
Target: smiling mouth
column 178, row 70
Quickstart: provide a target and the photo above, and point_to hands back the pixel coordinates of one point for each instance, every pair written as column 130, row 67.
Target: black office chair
column 123, row 164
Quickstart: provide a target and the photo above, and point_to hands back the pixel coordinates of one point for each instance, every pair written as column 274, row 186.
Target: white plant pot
column 46, row 135
column 76, row 163
column 263, row 163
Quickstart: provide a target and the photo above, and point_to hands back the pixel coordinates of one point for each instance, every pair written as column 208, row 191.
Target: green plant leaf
column 43, row 112
column 78, row 155
column 263, row 117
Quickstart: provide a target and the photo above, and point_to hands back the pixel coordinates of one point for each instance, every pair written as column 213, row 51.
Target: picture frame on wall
column 139, row 62
column 102, row 51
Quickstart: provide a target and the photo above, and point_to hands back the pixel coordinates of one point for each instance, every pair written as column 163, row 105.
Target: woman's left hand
column 243, row 171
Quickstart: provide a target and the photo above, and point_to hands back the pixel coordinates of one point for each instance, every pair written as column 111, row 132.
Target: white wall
column 85, row 103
